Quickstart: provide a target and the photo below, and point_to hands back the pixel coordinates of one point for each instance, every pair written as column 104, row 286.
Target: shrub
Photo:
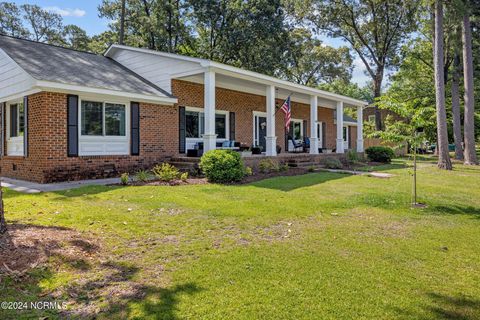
column 333, row 163
column 222, row 166
column 142, row 175
column 268, row 165
column 352, row 156
column 284, row 167
column 124, row 178
column 248, row 171
column 380, row 154
column 184, row 176
column 165, row 172
column 311, row 169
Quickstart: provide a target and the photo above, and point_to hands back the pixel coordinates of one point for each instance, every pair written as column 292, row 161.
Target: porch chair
column 297, row 146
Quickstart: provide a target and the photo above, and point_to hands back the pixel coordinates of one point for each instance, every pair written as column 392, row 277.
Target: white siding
column 154, row 68
column 13, row 79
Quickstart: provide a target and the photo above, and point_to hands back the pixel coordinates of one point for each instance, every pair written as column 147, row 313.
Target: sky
column 84, row 14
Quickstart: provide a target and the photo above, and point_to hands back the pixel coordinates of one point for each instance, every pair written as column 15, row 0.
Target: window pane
column 114, row 119
column 13, row 120
column 192, row 124
column 220, row 126
column 92, row 118
column 21, row 119
column 297, row 130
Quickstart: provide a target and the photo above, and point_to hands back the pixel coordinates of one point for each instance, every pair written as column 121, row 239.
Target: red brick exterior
column 47, row 160
column 244, row 104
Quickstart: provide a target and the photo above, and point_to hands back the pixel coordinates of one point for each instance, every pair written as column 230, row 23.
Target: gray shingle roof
column 347, row 118
column 57, row 64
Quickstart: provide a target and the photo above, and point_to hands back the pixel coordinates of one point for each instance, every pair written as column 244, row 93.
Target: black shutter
column 25, row 126
column 135, row 128
column 13, row 120
column 182, row 143
column 232, row 126
column 72, row 124
column 304, row 129
column 324, row 135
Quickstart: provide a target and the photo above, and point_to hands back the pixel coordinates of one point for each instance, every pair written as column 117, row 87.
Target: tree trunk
column 122, row 24
column 457, row 124
column 377, row 92
column 3, row 224
column 442, row 135
column 469, row 116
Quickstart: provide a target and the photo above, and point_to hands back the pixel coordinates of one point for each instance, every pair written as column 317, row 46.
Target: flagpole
column 290, row 95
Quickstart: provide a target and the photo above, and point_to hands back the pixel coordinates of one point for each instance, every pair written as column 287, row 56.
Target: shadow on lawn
column 289, row 183
column 455, row 209
column 36, row 255
column 443, row 306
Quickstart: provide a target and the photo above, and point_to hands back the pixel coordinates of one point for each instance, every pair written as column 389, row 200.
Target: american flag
column 287, row 109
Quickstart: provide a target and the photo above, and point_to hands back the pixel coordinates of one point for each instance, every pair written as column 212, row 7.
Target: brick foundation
column 48, row 162
column 159, row 134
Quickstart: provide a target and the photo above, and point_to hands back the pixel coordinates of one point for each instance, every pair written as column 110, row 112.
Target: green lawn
column 317, row 246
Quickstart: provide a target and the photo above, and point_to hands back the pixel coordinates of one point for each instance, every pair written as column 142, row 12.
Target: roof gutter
column 68, row 88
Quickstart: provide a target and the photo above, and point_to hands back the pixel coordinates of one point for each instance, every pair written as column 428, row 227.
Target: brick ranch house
column 69, row 115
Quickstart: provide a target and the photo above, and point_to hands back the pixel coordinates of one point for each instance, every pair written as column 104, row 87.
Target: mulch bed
column 261, row 176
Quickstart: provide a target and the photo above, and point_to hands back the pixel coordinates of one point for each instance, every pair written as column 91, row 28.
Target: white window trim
column 256, row 114
column 345, row 141
column 103, row 145
column 192, row 141
column 15, row 145
column 320, row 133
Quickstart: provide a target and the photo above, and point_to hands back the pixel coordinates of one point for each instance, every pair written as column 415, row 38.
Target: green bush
column 333, row 163
column 184, row 176
column 380, row 154
column 124, row 178
column 268, row 165
column 248, row 171
column 222, row 166
column 166, row 172
column 284, row 167
column 352, row 156
column 142, row 175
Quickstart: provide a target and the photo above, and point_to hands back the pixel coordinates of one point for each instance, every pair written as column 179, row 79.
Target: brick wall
column 48, row 162
column 244, row 104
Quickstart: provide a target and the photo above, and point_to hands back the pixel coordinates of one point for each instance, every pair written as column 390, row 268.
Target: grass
column 317, row 246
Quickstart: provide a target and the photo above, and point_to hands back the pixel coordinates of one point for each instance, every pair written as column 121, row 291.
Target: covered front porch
column 239, row 110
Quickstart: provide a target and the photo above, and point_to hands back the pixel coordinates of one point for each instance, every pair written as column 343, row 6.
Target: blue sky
column 85, row 15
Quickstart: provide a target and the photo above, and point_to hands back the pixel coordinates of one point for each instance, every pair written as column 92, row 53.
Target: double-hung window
column 194, row 124
column 103, row 119
column 17, row 120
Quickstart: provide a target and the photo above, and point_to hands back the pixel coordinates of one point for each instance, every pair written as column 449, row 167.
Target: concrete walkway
column 32, row 187
column 361, row 173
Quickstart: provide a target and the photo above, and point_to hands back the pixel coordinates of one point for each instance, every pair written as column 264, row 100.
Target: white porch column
column 271, row 138
column 209, row 137
column 360, row 129
column 313, row 125
column 340, row 148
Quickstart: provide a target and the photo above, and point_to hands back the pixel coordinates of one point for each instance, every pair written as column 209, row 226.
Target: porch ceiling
column 258, row 88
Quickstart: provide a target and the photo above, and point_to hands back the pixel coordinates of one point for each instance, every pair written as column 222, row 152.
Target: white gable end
column 156, row 69
column 13, row 79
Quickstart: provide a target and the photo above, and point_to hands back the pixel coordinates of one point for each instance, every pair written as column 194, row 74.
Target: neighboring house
column 70, row 115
